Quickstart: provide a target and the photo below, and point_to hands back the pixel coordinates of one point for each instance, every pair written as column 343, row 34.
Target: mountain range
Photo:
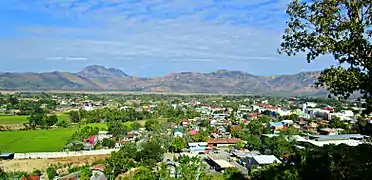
column 99, row 78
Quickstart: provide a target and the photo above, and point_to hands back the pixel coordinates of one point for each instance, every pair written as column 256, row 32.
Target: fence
column 45, row 155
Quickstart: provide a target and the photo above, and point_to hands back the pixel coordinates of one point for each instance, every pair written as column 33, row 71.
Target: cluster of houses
column 221, row 138
column 217, row 117
column 131, row 136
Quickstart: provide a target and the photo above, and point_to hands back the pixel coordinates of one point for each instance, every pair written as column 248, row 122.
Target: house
column 91, row 140
column 98, row 173
column 185, row 122
column 31, row 178
column 218, row 164
column 178, row 132
column 103, row 135
column 193, row 132
column 276, row 126
column 287, row 122
column 218, row 142
column 130, row 136
column 261, row 160
column 197, row 147
column 329, row 131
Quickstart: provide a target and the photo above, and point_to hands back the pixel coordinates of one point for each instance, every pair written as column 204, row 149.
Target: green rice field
column 9, row 119
column 47, row 140
column 35, row 140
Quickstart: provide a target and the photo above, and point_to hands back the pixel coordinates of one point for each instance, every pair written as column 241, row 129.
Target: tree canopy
column 340, row 28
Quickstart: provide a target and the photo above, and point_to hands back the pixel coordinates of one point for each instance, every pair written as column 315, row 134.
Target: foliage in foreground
column 341, row 28
column 340, row 162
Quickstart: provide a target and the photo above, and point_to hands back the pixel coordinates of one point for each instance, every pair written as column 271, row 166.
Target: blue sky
column 147, row 37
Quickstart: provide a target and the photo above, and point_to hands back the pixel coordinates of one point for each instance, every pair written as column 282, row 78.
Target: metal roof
column 6, row 154
column 276, row 123
column 223, row 163
column 265, row 159
column 337, row 137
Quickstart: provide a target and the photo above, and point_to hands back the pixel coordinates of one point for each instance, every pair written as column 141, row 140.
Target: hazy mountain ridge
column 221, row 81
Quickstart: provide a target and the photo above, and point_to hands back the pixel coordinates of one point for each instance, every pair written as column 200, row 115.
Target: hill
column 99, row 78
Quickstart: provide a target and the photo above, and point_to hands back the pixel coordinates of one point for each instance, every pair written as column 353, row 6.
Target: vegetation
column 341, row 29
column 21, row 119
column 50, row 140
column 329, row 162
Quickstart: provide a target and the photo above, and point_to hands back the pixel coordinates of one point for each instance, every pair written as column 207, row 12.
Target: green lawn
column 9, row 119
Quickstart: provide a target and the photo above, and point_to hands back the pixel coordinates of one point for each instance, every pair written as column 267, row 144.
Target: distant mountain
column 221, row 81
column 96, row 71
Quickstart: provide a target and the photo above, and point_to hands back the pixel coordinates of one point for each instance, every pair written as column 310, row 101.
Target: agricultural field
column 10, row 119
column 35, row 140
column 46, row 140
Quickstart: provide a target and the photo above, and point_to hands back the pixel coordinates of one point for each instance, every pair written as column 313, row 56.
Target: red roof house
column 90, row 140
column 193, row 132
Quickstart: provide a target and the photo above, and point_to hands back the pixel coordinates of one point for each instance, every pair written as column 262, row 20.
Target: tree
column 233, row 174
column 253, row 141
column 122, row 160
column 240, row 144
column 149, row 154
column 290, row 131
column 62, row 123
column 264, row 118
column 191, row 168
column 143, row 173
column 235, row 130
column 51, row 172
column 178, row 144
column 75, row 116
column 152, row 125
column 341, row 162
column 339, row 28
column 51, row 120
column 202, row 136
column 86, row 173
column 117, row 129
column 135, row 125
column 277, row 146
column 110, row 143
column 204, row 123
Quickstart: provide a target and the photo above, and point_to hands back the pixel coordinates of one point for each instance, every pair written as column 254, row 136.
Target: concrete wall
column 45, row 155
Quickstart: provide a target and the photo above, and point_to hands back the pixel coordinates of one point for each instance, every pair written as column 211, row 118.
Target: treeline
column 40, row 118
column 26, row 106
column 130, row 114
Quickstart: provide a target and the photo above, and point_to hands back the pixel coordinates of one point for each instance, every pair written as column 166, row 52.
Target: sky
column 147, row 37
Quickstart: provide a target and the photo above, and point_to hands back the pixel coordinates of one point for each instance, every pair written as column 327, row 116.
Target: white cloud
column 194, row 31
column 59, row 58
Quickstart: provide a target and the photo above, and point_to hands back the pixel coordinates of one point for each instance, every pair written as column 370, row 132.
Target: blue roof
column 6, row 154
column 276, row 123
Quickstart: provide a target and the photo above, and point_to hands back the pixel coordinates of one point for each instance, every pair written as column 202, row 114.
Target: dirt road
column 28, row 165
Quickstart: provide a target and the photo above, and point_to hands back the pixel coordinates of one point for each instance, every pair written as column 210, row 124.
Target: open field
column 35, row 140
column 48, row 140
column 28, row 165
column 10, row 119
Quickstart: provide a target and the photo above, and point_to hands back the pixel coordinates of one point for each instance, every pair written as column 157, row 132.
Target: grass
column 35, row 141
column 9, row 119
column 45, row 140
column 48, row 140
